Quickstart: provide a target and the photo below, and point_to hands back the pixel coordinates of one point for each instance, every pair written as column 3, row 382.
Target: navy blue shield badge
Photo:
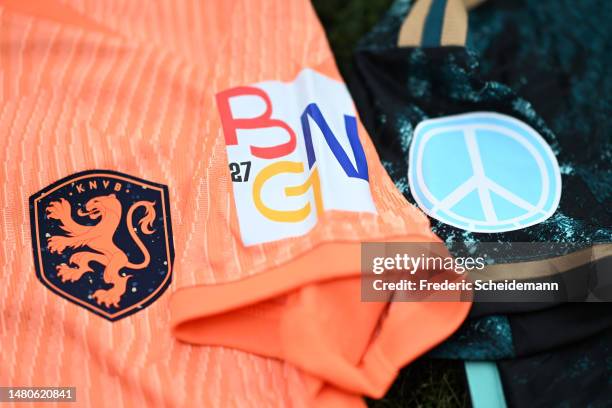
column 103, row 240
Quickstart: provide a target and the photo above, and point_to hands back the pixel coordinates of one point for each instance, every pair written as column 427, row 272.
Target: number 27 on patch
column 237, row 173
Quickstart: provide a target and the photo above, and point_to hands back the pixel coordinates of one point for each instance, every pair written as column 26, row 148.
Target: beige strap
column 412, row 27
column 454, row 31
column 544, row 267
column 454, row 24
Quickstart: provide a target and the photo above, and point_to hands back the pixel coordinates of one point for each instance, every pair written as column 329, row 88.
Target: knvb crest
column 103, row 240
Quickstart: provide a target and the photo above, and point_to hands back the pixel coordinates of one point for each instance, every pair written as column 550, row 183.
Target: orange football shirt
column 260, row 185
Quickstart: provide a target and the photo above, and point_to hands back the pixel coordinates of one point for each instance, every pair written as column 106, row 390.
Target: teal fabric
column 432, row 31
column 546, row 63
column 485, row 384
column 553, row 79
column 488, row 338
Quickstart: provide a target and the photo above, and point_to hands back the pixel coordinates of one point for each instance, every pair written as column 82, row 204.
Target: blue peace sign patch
column 483, row 172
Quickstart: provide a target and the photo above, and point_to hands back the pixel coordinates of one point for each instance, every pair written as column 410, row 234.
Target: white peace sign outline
column 479, row 181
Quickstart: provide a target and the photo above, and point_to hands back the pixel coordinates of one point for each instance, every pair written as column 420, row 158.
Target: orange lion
column 99, row 238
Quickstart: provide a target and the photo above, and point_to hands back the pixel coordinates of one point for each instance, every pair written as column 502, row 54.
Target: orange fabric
column 130, row 86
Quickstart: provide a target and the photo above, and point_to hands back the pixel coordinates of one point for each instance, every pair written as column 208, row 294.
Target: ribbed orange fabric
column 130, row 86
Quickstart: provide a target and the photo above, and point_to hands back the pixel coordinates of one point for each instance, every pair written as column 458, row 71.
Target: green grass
column 346, row 22
column 427, row 383
column 424, row 383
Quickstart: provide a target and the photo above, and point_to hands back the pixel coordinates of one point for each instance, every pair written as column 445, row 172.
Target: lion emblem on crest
column 98, row 239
